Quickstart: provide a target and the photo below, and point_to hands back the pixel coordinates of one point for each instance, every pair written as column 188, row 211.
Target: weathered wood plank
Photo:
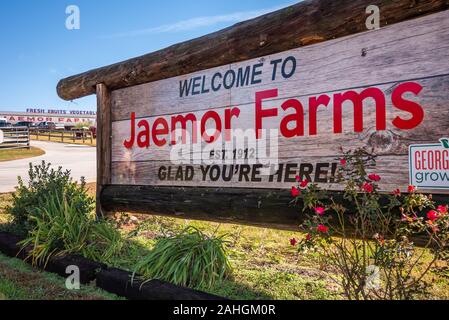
column 321, row 170
column 257, row 207
column 433, row 98
column 299, row 25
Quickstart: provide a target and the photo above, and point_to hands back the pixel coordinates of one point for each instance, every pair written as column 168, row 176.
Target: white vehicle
column 59, row 126
column 3, row 122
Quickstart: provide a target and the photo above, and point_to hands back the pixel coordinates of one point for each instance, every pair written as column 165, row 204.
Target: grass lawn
column 265, row 265
column 16, row 154
column 19, row 281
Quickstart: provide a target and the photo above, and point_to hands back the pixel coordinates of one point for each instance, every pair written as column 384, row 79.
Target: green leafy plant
column 43, row 183
column 189, row 258
column 60, row 228
column 56, row 216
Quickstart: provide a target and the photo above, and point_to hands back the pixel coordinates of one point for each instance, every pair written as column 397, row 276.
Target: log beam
column 269, row 208
column 302, row 24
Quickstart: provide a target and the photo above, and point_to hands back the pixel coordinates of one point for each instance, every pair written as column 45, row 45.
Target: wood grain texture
column 299, row 25
column 104, row 135
column 257, row 207
column 394, row 171
column 409, row 50
column 433, row 98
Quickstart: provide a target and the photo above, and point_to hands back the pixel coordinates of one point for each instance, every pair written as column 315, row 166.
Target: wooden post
column 62, row 136
column 104, row 135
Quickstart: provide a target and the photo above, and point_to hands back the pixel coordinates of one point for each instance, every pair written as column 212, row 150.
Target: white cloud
column 195, row 23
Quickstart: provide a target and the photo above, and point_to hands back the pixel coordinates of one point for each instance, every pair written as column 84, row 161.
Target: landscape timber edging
column 58, row 265
column 120, row 282
column 112, row 280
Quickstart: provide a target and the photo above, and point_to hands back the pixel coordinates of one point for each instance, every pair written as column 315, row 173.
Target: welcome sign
column 260, row 123
column 218, row 128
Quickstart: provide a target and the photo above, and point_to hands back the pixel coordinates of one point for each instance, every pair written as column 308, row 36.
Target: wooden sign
column 382, row 89
column 226, row 143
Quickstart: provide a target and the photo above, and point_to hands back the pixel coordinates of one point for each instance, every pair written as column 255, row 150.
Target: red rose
column 411, row 189
column 442, row 209
column 397, row 193
column 298, row 179
column 322, row 229
column 308, row 237
column 304, row 184
column 320, row 211
column 374, row 177
column 293, row 242
column 343, row 162
column 295, row 192
column 433, row 215
column 368, row 187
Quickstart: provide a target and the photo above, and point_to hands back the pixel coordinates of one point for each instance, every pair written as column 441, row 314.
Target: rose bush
column 362, row 230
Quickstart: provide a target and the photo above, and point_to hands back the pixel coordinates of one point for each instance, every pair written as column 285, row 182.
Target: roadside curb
column 112, row 280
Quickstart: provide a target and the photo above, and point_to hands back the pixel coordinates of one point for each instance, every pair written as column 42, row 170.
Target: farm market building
column 56, row 116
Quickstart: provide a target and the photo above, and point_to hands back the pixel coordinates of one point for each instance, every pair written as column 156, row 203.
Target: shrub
column 60, row 228
column 44, row 183
column 56, row 216
column 371, row 244
column 189, row 258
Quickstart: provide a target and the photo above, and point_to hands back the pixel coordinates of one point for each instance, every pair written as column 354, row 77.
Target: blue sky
column 37, row 50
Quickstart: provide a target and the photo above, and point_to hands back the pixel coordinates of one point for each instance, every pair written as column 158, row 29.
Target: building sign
column 62, row 112
column 261, row 123
column 33, row 115
column 429, row 165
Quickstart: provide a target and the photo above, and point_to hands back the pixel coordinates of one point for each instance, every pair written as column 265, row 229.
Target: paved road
column 81, row 160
